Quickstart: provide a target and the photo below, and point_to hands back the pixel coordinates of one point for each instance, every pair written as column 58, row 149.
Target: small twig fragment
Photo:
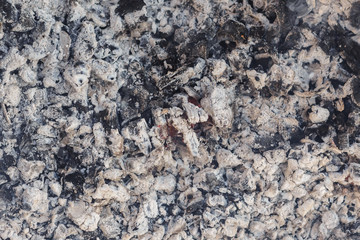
column 5, row 113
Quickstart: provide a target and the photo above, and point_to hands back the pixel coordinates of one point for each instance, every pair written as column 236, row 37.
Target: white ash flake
column 36, row 199
column 151, row 119
column 318, row 114
column 83, row 216
column 117, row 192
column 30, row 169
column 217, row 105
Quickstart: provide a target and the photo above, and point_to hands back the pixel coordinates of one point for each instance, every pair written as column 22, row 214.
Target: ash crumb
column 149, row 119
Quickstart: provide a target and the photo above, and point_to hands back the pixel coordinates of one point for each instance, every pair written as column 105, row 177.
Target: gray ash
column 179, row 119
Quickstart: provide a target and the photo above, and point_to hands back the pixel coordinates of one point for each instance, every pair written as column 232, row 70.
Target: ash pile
column 193, row 119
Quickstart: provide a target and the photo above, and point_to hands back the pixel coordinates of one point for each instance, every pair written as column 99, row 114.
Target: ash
column 193, row 119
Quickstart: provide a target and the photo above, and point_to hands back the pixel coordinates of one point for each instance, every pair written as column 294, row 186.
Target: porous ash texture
column 193, row 119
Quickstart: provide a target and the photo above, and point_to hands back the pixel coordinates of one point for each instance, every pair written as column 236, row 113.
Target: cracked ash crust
column 152, row 119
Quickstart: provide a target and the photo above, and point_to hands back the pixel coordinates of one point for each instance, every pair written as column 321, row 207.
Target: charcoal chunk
column 66, row 157
column 7, row 162
column 8, row 11
column 356, row 91
column 257, row 32
column 337, row 40
column 262, row 64
column 128, row 6
column 76, row 178
column 197, row 47
column 266, row 143
column 355, row 15
column 196, row 208
column 290, row 41
column 299, row 7
column 296, row 136
column 351, row 53
column 233, row 31
column 7, row 192
column 336, row 83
